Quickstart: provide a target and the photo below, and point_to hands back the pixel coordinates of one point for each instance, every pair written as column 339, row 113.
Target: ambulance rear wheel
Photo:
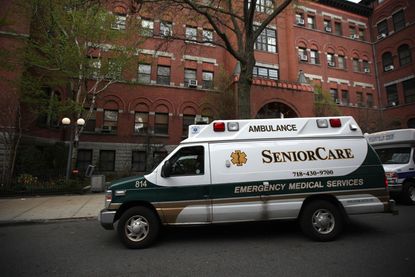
column 408, row 193
column 321, row 220
column 138, row 227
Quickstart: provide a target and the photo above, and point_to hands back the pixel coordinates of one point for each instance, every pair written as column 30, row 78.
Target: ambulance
column 316, row 170
column 396, row 149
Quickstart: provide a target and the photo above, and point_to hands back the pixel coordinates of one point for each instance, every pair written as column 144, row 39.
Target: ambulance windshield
column 398, row 155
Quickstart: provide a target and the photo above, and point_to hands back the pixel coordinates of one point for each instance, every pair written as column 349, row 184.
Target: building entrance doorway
column 276, row 110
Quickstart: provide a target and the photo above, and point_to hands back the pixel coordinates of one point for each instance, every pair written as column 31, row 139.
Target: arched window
column 387, row 61
column 404, row 54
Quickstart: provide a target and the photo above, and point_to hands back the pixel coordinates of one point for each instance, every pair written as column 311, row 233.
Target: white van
column 316, row 170
column 396, row 149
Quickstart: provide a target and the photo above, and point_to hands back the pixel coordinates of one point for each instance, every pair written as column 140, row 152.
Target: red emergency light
column 219, row 126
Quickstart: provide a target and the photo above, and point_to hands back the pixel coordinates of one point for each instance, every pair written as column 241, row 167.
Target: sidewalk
column 45, row 208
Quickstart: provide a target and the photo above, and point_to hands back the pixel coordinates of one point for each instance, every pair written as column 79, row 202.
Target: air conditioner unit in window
column 331, row 64
column 354, row 36
column 192, row 83
column 300, row 21
column 338, row 102
column 381, row 36
column 389, row 67
column 303, row 57
column 366, row 70
column 327, row 29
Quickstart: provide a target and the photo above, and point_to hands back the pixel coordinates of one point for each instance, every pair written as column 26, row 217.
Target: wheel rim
column 323, row 221
column 136, row 228
column 411, row 192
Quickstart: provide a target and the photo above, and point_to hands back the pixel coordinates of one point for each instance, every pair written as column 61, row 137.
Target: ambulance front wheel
column 321, row 220
column 408, row 193
column 138, row 227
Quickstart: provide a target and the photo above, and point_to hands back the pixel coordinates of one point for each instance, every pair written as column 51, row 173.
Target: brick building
column 337, row 45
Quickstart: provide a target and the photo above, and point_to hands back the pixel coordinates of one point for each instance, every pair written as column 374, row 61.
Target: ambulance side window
column 188, row 161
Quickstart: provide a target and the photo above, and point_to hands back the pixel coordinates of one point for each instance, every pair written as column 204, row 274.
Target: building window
column 265, row 72
column 190, row 77
column 356, row 65
column 267, row 41
column 366, row 67
column 90, row 121
column 387, row 61
column 207, row 78
column 119, row 22
column 302, row 55
column 187, row 121
column 299, row 19
column 352, row 32
column 345, row 97
column 166, row 29
column 409, row 90
column 138, row 162
column 163, row 75
column 392, row 95
column 404, row 54
column 207, row 36
column 314, row 57
column 362, row 34
column 147, row 27
column 334, row 95
column 359, row 99
column 327, row 25
column 330, row 60
column 338, row 28
column 141, row 123
column 342, row 62
column 264, row 6
column 144, row 73
column 94, row 66
column 83, row 159
column 110, row 121
column 383, row 27
column 106, row 160
column 369, row 100
column 114, row 70
column 398, row 20
column 311, row 22
column 191, row 33
column 161, row 124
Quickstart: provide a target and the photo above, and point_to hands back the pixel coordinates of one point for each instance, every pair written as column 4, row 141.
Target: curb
column 44, row 221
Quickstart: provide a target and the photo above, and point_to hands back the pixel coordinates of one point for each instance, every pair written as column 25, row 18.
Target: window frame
column 163, row 79
column 103, row 164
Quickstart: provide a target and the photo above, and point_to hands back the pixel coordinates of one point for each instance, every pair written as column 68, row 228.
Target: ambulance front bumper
column 106, row 218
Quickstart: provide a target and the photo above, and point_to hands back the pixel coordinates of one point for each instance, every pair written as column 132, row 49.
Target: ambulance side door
column 186, row 184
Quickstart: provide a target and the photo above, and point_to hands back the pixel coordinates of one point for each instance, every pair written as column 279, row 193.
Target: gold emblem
column 238, row 158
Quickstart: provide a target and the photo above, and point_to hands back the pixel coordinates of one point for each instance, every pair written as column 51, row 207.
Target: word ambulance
column 315, row 170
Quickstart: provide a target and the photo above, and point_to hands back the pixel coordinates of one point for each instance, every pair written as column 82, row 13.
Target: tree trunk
column 244, row 89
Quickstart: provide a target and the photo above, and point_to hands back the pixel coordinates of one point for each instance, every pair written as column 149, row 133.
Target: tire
column 138, row 227
column 408, row 193
column 321, row 220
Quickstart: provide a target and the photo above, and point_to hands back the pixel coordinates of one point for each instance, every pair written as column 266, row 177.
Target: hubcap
column 323, row 221
column 136, row 228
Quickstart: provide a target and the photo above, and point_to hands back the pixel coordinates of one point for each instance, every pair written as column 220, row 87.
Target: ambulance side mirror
column 166, row 169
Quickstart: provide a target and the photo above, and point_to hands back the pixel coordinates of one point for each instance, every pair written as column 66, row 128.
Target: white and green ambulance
column 316, row 170
column 396, row 149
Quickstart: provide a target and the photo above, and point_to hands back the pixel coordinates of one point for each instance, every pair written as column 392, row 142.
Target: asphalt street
column 372, row 245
